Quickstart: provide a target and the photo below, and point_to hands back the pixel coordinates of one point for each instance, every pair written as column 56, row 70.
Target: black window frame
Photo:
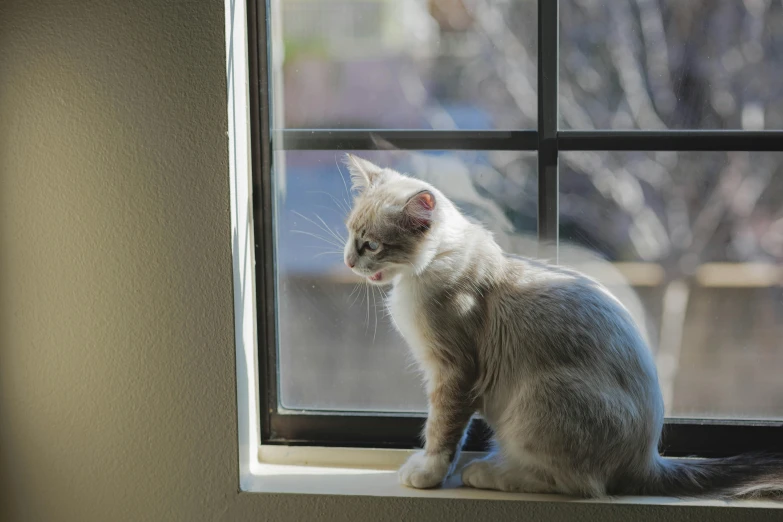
column 681, row 436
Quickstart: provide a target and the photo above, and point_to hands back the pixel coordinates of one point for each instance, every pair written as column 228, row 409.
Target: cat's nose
column 350, row 262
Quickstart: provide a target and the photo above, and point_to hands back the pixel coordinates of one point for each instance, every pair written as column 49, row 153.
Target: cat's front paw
column 423, row 471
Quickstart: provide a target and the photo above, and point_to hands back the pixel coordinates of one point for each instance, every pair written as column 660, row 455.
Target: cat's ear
column 364, row 173
column 418, row 210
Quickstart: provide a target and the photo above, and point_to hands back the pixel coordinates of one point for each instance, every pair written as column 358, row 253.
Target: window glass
column 700, row 235
column 671, row 64
column 697, row 235
column 404, row 64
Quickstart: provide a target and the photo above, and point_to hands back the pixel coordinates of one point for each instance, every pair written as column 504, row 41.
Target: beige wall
column 116, row 322
column 117, row 391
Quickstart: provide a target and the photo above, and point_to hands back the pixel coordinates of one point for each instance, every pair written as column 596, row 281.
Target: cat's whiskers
column 331, row 252
column 322, row 238
column 322, row 252
column 340, row 204
column 356, row 287
column 323, row 227
column 411, row 364
column 333, row 233
column 342, row 177
column 375, row 309
column 338, row 212
column 367, row 320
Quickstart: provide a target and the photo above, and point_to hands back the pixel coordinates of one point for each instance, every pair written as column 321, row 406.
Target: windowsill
column 372, row 472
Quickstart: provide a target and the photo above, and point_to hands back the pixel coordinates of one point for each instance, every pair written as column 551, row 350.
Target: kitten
column 548, row 357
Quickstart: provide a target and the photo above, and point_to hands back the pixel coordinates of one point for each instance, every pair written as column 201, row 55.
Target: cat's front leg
column 449, row 412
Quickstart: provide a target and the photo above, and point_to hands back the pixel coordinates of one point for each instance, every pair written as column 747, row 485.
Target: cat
column 547, row 356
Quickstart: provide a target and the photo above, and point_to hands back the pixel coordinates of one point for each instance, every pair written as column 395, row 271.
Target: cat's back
column 543, row 290
column 559, row 317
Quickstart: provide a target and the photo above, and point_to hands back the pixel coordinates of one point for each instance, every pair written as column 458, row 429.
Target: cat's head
column 390, row 224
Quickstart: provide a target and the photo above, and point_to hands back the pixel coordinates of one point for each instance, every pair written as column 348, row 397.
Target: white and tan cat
column 547, row 356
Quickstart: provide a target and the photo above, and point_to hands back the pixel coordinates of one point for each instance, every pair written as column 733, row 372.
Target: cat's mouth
column 377, row 276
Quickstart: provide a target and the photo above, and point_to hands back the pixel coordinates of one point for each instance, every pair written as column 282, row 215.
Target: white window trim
column 318, row 470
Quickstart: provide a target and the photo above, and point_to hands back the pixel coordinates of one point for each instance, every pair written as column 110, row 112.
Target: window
column 650, row 132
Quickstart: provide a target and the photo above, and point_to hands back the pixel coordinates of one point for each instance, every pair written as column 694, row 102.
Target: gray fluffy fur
column 547, row 356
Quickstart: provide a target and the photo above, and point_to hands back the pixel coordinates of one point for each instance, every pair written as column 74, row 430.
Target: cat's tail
column 743, row 476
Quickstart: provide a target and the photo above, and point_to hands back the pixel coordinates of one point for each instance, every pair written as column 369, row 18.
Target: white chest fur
column 405, row 306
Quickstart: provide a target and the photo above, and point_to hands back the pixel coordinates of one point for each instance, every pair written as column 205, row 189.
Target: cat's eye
column 371, row 246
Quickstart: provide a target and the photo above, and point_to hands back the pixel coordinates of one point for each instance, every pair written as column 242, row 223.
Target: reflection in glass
column 676, row 64
column 700, row 235
column 409, row 64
